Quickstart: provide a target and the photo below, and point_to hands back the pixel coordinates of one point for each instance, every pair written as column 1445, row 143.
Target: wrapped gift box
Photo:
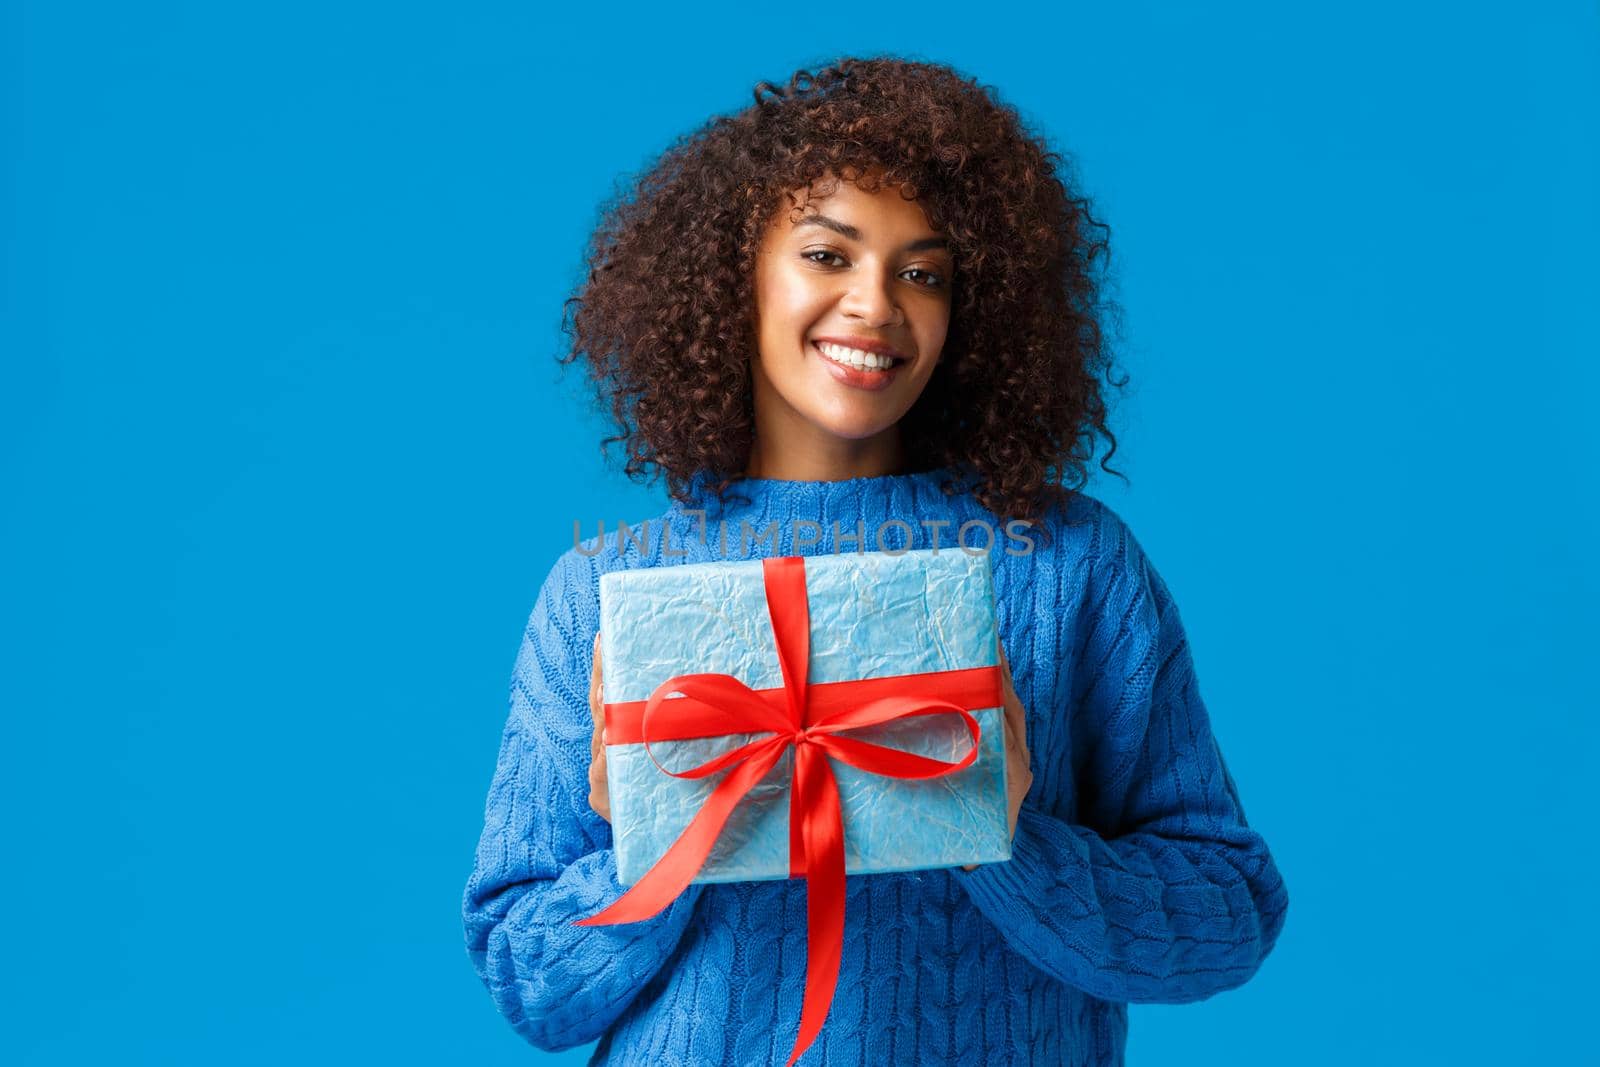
column 872, row 615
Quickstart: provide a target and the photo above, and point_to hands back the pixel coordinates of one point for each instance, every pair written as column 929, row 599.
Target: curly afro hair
column 664, row 321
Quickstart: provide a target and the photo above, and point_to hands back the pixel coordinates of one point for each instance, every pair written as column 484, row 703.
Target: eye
column 926, row 279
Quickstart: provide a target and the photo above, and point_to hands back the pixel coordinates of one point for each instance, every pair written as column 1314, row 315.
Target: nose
column 871, row 299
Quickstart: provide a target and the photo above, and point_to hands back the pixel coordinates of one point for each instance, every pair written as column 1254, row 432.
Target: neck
column 827, row 459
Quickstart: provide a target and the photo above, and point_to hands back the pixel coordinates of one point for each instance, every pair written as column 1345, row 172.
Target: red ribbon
column 807, row 717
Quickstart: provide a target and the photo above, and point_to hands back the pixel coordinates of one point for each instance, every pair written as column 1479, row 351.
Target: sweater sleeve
column 544, row 859
column 1165, row 895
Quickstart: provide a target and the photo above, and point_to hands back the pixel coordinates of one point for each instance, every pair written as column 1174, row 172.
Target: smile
column 855, row 357
column 857, row 368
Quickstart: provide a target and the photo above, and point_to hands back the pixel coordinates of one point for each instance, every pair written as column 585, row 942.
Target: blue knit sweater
column 1134, row 876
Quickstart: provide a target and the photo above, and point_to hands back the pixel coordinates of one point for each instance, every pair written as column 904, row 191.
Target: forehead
column 884, row 214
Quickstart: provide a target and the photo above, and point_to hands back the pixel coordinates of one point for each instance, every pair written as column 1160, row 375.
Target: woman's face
column 852, row 307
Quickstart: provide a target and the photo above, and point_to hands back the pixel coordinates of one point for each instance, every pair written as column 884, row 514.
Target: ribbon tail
column 797, row 823
column 825, row 891
column 662, row 883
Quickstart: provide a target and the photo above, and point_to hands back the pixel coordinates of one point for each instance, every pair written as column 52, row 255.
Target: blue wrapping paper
column 872, row 615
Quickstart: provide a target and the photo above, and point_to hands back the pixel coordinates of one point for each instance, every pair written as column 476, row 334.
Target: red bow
column 807, row 717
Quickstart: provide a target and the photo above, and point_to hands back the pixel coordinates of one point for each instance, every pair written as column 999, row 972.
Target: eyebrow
column 844, row 229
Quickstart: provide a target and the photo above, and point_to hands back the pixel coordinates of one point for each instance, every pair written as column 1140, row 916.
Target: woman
column 867, row 303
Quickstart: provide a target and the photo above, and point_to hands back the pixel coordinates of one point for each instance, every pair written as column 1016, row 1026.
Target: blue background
column 286, row 457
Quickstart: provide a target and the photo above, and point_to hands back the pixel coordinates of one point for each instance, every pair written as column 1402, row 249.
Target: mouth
column 856, row 367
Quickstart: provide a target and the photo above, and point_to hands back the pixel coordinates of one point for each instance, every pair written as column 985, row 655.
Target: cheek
column 933, row 329
column 791, row 304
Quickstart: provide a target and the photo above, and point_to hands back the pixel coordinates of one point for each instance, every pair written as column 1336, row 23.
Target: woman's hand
column 1019, row 770
column 599, row 795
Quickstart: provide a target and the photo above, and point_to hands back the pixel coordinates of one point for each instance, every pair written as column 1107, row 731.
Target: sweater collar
column 763, row 493
column 850, row 502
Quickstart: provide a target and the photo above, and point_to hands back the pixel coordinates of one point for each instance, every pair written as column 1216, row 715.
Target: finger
column 597, row 701
column 1005, row 673
column 1016, row 715
column 1017, row 722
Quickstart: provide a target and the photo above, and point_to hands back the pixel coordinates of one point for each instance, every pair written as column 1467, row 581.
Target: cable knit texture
column 1134, row 878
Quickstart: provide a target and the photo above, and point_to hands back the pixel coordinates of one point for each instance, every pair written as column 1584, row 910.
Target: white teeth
column 854, row 357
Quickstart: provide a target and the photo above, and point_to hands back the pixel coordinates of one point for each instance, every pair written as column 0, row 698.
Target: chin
column 855, row 429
